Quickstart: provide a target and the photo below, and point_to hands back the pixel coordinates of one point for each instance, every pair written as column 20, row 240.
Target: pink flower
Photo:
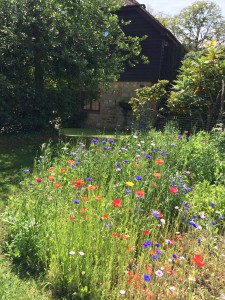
column 173, row 190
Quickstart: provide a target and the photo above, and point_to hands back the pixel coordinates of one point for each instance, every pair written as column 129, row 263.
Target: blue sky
column 173, row 7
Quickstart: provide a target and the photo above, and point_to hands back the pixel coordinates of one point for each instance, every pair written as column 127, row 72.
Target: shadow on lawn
column 18, row 152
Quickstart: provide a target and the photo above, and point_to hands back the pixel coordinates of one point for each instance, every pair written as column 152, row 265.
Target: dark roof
column 152, row 20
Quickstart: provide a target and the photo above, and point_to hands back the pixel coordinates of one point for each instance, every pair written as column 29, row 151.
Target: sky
column 173, row 7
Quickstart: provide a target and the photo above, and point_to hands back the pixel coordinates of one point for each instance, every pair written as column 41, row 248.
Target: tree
column 198, row 90
column 51, row 49
column 197, row 24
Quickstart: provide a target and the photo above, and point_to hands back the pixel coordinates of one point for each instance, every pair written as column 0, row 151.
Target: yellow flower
column 129, row 183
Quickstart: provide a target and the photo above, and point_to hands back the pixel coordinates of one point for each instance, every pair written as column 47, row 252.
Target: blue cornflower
column 138, row 177
column 26, row 170
column 213, row 223
column 76, row 201
column 212, row 204
column 105, row 148
column 76, row 163
column 147, row 277
column 192, row 223
column 103, row 142
column 94, row 141
column 127, row 191
column 126, row 161
column 123, row 149
column 157, row 244
column 147, row 156
column 174, row 256
column 118, row 165
column 154, row 257
column 89, row 178
column 221, row 217
column 111, row 140
column 147, row 244
column 159, row 252
column 194, row 217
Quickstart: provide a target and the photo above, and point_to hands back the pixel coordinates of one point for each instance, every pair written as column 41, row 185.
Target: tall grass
column 137, row 218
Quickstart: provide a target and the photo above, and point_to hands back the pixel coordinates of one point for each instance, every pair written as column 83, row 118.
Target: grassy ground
column 16, row 152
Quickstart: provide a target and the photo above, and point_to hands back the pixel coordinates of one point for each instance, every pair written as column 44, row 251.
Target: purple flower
column 111, row 140
column 174, row 256
column 159, row 252
column 147, row 277
column 103, row 142
column 138, row 177
column 192, row 223
column 127, row 191
column 213, row 223
column 89, row 178
column 155, row 257
column 126, row 161
column 159, row 273
column 94, row 141
column 76, row 201
column 26, row 170
column 118, row 165
column 147, row 244
column 148, row 156
column 157, row 244
column 212, row 204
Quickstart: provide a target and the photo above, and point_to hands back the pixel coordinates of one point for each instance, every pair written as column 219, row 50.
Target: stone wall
column 111, row 114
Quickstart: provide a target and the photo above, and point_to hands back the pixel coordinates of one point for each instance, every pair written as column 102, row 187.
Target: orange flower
column 57, row 185
column 129, row 248
column 79, row 183
column 137, row 165
column 51, row 169
column 157, row 198
column 50, row 177
column 115, row 234
column 72, row 218
column 105, row 216
column 98, row 197
column 83, row 210
column 157, row 175
column 62, row 171
column 84, row 198
column 159, row 161
column 71, row 162
column 140, row 193
column 186, row 131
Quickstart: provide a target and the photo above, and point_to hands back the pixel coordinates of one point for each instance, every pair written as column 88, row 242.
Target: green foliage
column 197, row 24
column 198, row 89
column 143, row 105
column 63, row 218
column 50, row 50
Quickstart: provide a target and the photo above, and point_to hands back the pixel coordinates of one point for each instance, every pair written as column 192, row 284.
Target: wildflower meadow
column 138, row 217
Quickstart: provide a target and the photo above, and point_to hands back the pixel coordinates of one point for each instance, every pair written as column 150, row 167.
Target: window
column 89, row 104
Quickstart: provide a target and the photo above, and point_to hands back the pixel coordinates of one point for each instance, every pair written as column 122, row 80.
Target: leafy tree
column 198, row 90
column 198, row 23
column 147, row 99
column 51, row 49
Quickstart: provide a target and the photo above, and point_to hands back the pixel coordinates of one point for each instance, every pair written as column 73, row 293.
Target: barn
column 165, row 53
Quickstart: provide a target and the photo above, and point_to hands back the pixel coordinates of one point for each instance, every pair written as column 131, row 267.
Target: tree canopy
column 196, row 24
column 198, row 90
column 51, row 49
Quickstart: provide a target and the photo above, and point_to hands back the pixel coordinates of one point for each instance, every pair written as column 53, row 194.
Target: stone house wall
column 111, row 114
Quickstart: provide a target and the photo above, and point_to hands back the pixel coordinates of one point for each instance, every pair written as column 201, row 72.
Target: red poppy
column 140, row 193
column 39, row 180
column 79, row 183
column 146, row 232
column 115, row 234
column 173, row 190
column 159, row 161
column 197, row 259
column 117, row 203
column 105, row 216
column 157, row 198
column 57, row 185
column 72, row 218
